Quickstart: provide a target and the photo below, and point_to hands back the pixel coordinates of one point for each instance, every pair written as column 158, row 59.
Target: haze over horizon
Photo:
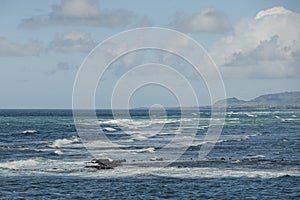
column 256, row 46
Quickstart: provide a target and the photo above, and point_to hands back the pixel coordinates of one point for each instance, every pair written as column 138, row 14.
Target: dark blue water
column 257, row 156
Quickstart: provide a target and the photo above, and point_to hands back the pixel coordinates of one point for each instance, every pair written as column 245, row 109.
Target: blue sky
column 256, row 45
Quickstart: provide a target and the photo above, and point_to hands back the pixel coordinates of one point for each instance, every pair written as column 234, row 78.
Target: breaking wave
column 61, row 142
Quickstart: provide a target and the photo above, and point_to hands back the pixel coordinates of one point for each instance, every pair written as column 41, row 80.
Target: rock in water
column 104, row 163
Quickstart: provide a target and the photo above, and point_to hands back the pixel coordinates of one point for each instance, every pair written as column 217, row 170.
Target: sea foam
column 61, row 142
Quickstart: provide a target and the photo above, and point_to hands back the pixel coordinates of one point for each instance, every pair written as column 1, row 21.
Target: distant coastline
column 276, row 101
column 283, row 100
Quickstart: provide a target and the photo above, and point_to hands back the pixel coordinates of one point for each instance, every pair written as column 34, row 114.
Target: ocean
column 257, row 156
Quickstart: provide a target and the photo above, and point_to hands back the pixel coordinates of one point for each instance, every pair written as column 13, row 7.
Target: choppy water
column 256, row 157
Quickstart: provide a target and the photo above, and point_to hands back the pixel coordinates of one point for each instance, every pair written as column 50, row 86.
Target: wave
column 290, row 119
column 226, row 138
column 202, row 127
column 15, row 165
column 254, row 156
column 58, row 152
column 19, row 148
column 109, row 129
column 233, row 119
column 146, row 150
column 30, row 131
column 210, row 172
column 38, row 165
column 135, row 124
column 125, row 123
column 286, row 119
column 61, row 142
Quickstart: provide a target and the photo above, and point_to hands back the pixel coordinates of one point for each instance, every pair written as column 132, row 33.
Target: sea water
column 257, row 156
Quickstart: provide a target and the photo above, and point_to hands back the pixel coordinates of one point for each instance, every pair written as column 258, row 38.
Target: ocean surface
column 257, row 156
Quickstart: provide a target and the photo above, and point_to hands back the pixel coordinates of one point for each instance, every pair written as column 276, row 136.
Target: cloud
column 266, row 46
column 79, row 12
column 8, row 48
column 144, row 22
column 207, row 20
column 61, row 67
column 64, row 66
column 74, row 41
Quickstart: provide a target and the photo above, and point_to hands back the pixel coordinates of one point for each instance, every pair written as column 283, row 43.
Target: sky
column 255, row 45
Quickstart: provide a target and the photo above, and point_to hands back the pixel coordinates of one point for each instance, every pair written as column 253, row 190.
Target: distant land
column 284, row 100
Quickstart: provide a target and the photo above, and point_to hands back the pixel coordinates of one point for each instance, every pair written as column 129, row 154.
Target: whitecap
column 142, row 135
column 139, row 137
column 210, row 172
column 251, row 115
column 233, row 119
column 61, row 142
column 126, row 141
column 29, row 131
column 20, row 164
column 277, row 117
column 58, row 152
column 127, row 123
column 146, row 150
column 225, row 138
column 289, row 119
column 202, row 127
column 255, row 156
column 109, row 129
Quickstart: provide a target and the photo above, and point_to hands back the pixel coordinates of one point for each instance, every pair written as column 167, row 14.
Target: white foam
column 126, row 141
column 147, row 150
column 15, row 165
column 41, row 165
column 76, row 168
column 289, row 119
column 61, row 142
column 29, row 131
column 251, row 115
column 277, row 117
column 126, row 123
column 256, row 156
column 232, row 113
column 130, row 124
column 234, row 119
column 218, row 173
column 109, row 129
column 250, row 135
column 225, row 138
column 202, row 127
column 142, row 135
column 195, row 144
column 58, row 152
column 201, row 172
column 139, row 137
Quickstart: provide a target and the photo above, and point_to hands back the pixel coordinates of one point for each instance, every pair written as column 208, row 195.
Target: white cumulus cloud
column 266, row 46
column 79, row 12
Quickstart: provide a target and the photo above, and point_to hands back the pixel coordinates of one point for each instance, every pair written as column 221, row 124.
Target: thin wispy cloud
column 208, row 20
column 79, row 12
column 62, row 67
column 10, row 48
column 72, row 41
